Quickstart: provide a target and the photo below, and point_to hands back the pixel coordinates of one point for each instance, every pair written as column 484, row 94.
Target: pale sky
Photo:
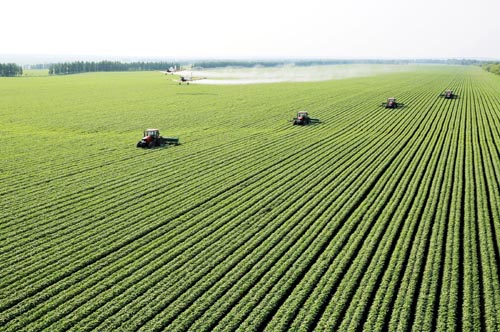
column 253, row 28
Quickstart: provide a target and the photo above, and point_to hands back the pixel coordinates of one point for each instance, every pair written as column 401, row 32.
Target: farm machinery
column 152, row 138
column 448, row 94
column 392, row 103
column 303, row 119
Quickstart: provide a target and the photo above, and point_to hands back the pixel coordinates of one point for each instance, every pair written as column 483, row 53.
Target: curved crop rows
column 375, row 219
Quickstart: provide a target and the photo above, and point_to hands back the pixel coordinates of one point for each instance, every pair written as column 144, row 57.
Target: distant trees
column 320, row 62
column 65, row 68
column 39, row 66
column 492, row 67
column 236, row 63
column 10, row 70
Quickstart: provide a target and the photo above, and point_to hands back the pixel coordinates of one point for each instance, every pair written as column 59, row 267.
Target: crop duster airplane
column 170, row 70
column 186, row 79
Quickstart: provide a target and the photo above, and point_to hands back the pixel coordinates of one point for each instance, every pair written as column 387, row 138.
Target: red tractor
column 303, row 119
column 392, row 103
column 152, row 138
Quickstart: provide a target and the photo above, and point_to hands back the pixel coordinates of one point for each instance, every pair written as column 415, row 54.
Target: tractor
column 303, row 119
column 152, row 138
column 448, row 94
column 392, row 103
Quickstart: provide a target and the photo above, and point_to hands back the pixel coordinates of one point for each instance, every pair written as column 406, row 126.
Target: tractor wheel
column 151, row 145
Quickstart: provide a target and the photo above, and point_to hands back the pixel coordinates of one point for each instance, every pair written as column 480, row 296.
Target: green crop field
column 375, row 219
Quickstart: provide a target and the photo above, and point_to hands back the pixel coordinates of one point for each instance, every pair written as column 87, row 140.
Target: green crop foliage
column 375, row 219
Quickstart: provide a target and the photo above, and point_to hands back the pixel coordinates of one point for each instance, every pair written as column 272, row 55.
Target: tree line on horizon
column 320, row 62
column 10, row 70
column 65, row 68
